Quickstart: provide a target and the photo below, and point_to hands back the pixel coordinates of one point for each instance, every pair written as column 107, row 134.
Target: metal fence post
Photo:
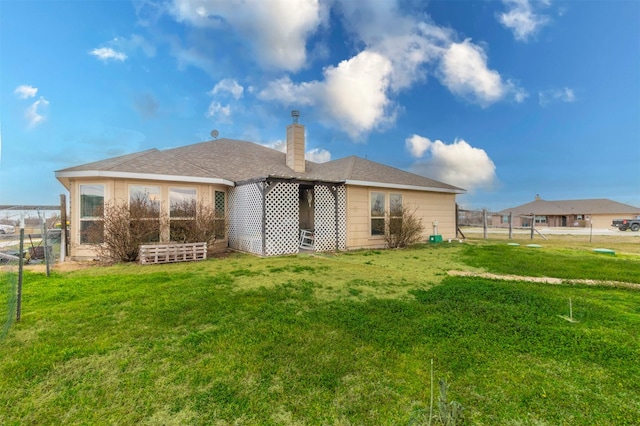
column 533, row 222
column 484, row 223
column 510, row 225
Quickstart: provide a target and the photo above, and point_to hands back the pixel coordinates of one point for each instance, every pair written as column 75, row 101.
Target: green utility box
column 435, row 238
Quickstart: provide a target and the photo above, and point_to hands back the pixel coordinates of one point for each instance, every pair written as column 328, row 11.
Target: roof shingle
column 238, row 161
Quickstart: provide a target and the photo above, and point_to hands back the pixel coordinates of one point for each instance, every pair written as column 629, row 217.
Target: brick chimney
column 295, row 144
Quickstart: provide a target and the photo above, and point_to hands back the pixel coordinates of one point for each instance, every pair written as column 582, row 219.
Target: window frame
column 88, row 220
column 540, row 219
column 155, row 199
column 175, row 220
column 377, row 215
column 395, row 211
column 220, row 214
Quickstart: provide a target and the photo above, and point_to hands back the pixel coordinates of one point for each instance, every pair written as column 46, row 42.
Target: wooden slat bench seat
column 166, row 253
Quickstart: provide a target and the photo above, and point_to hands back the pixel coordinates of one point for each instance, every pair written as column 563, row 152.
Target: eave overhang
column 65, row 177
column 408, row 187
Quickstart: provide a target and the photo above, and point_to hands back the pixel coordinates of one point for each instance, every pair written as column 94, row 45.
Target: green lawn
column 341, row 339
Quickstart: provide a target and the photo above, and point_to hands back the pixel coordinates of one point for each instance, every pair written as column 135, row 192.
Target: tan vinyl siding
column 430, row 206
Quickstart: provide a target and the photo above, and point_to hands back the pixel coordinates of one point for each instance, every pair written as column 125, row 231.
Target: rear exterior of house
column 268, row 200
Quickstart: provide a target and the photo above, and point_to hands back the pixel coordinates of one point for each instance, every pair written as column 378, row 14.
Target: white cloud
column 228, row 86
column 279, row 145
column 278, row 43
column 318, row 155
column 521, row 18
column 290, row 93
column 356, row 92
column 219, row 112
column 353, row 94
column 465, row 72
column 457, row 163
column 25, row 91
column 407, row 42
column 394, row 51
column 35, row 112
column 134, row 43
column 556, row 95
column 108, row 54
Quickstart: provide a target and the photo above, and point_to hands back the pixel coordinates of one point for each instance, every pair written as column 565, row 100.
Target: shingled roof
column 572, row 207
column 228, row 161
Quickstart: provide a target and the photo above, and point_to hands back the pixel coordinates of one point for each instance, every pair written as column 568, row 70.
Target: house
column 268, row 198
column 598, row 213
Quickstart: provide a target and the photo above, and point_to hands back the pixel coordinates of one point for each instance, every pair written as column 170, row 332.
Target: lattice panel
column 245, row 218
column 325, row 218
column 282, row 219
column 342, row 217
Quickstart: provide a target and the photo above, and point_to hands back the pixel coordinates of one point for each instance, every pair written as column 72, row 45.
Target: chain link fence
column 487, row 222
column 28, row 235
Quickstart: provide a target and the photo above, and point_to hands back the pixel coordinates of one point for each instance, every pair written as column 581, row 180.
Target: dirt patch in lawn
column 543, row 280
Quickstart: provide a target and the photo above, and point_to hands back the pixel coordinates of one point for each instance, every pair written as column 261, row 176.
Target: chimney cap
column 295, row 114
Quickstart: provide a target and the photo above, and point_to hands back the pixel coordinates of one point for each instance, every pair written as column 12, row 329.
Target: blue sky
column 507, row 99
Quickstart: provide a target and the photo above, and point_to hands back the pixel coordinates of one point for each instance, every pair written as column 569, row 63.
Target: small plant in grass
column 449, row 413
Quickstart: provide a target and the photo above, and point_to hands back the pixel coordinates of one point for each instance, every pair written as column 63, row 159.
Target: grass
column 331, row 339
column 553, row 262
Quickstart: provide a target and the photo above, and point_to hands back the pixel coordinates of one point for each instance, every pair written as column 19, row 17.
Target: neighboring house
column 267, row 197
column 598, row 213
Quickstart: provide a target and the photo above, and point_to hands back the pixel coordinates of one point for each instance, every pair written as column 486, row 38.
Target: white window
column 144, row 207
column 91, row 214
column 395, row 213
column 377, row 213
column 182, row 212
column 380, row 209
column 220, row 213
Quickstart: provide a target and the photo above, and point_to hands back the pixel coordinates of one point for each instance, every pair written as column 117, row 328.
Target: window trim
column 82, row 219
column 373, row 217
column 222, row 218
column 180, row 219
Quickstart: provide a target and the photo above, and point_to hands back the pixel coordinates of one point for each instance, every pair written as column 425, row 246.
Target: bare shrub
column 124, row 227
column 402, row 228
column 195, row 223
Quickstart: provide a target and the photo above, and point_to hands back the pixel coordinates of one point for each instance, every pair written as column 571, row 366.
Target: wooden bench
column 166, row 253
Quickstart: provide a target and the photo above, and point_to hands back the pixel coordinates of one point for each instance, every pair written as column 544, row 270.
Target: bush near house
column 126, row 226
column 402, row 227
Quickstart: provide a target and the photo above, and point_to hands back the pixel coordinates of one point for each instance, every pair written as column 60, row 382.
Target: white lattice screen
column 282, row 210
column 325, row 218
column 282, row 219
column 245, row 218
column 342, row 217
